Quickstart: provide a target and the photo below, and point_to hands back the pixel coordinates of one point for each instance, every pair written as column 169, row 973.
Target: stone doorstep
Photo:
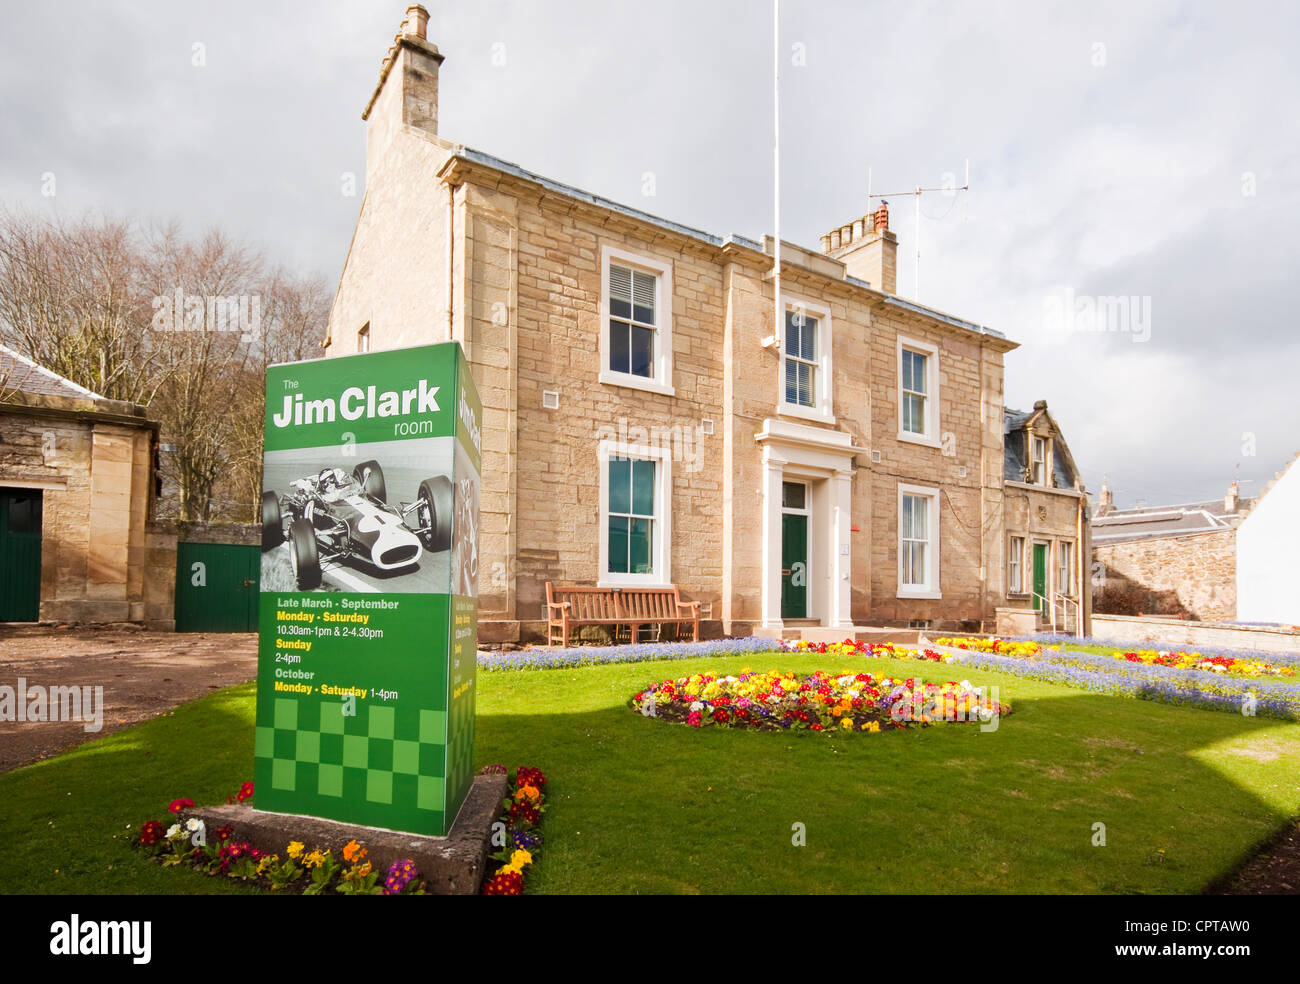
column 451, row 865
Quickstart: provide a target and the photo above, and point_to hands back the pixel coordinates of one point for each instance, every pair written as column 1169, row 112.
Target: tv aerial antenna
column 948, row 188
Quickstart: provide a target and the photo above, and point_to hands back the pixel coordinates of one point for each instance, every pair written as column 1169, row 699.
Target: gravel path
column 143, row 675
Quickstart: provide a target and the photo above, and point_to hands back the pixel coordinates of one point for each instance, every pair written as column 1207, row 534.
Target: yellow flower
column 846, row 723
column 295, row 849
column 314, row 860
column 520, row 858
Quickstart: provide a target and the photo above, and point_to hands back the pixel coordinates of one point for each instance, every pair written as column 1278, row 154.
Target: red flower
column 152, row 832
column 180, row 804
column 721, row 716
column 529, row 776
column 245, row 792
column 504, row 883
column 223, row 833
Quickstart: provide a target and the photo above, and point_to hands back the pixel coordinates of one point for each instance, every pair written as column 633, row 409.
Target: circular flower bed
column 820, row 701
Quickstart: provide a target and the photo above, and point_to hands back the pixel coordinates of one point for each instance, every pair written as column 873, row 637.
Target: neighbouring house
column 77, row 479
column 1045, row 510
column 1168, row 560
column 650, row 419
column 1268, row 543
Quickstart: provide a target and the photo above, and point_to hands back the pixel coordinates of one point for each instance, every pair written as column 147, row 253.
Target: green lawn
column 640, row 805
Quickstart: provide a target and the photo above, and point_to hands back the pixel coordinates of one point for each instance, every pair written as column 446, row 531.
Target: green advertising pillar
column 368, row 615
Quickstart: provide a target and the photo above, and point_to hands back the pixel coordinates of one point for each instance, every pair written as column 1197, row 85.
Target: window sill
column 804, row 413
column 651, row 582
column 919, row 593
column 634, row 382
column 921, row 439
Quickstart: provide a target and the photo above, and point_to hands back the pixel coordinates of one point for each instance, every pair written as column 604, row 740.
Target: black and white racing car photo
column 337, row 517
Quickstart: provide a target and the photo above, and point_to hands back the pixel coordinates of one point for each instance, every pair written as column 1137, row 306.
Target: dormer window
column 1039, row 473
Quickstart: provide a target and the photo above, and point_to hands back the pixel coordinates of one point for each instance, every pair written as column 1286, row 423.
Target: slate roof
column 17, row 372
column 1015, row 453
column 1153, row 522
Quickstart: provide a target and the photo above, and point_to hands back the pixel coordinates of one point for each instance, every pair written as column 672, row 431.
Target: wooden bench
column 572, row 607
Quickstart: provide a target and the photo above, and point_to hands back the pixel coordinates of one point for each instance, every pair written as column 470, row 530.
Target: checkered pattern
column 372, row 752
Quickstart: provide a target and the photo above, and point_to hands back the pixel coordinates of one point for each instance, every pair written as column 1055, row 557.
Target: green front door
column 1040, row 576
column 20, row 555
column 794, row 566
column 217, row 587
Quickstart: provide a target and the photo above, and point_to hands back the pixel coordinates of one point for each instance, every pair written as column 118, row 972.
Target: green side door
column 217, row 587
column 1040, row 576
column 794, row 566
column 20, row 555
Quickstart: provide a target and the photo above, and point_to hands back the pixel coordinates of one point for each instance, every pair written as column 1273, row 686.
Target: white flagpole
column 778, row 323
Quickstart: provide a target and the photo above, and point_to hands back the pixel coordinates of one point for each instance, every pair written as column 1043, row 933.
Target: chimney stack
column 407, row 93
column 1105, row 501
column 868, row 255
column 1230, row 500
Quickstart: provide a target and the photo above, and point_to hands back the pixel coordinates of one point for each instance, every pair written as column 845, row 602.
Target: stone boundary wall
column 1189, row 576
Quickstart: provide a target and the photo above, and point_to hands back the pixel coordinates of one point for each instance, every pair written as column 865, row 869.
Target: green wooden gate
column 20, row 555
column 216, row 587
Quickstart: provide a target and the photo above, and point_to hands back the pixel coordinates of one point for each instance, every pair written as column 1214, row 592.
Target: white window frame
column 823, row 389
column 661, row 538
column 1046, row 480
column 363, row 338
column 1016, row 564
column 931, row 587
column 1064, row 564
column 662, row 381
column 931, row 436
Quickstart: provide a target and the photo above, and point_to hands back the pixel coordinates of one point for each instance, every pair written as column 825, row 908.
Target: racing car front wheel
column 371, row 478
column 437, row 500
column 272, row 522
column 303, row 555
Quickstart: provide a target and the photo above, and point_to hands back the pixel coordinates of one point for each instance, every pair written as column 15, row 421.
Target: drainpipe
column 451, row 256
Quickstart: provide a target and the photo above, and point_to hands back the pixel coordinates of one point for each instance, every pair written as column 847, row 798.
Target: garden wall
column 1189, row 576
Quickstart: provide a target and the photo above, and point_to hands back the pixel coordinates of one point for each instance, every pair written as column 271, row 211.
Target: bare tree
column 186, row 327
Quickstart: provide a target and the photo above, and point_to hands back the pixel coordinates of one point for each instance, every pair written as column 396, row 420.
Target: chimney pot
column 836, row 239
column 826, row 243
column 1230, row 500
column 881, row 219
column 417, row 22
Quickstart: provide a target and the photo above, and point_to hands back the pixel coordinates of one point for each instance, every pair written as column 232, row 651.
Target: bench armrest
column 691, row 606
column 562, row 605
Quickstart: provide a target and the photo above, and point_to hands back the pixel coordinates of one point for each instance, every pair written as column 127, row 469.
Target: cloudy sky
column 1146, row 152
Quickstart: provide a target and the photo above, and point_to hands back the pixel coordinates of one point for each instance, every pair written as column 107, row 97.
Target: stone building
column 1168, row 560
column 649, row 418
column 1047, row 522
column 76, row 487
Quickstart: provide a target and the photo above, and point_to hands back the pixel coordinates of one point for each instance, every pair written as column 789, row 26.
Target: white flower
column 173, row 830
column 697, row 705
column 193, row 825
column 965, row 685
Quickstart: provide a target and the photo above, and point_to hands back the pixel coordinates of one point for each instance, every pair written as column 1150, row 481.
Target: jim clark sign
column 368, row 619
